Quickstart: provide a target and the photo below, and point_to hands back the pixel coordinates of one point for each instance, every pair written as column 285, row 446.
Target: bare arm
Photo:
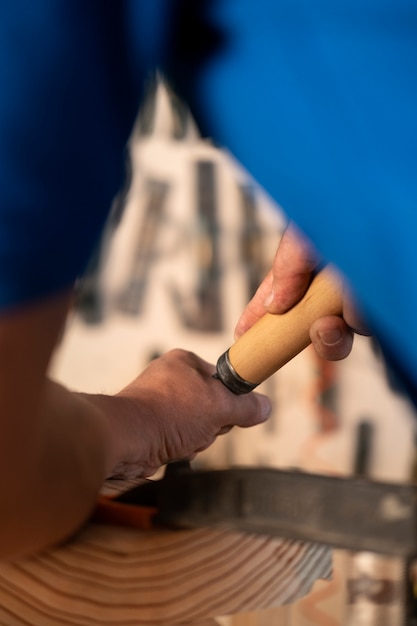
column 56, row 447
column 52, row 460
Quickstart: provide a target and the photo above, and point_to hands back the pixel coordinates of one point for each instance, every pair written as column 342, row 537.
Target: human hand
column 172, row 410
column 285, row 284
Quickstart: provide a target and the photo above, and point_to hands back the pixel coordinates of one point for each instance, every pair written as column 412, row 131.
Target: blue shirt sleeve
column 71, row 77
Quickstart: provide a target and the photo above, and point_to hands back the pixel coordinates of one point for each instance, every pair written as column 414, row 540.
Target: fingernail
column 330, row 337
column 266, row 407
column 268, row 299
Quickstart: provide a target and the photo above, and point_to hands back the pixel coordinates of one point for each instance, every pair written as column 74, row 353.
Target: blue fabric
column 317, row 99
column 71, row 76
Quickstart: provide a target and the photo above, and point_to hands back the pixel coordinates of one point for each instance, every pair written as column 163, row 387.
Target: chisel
column 276, row 339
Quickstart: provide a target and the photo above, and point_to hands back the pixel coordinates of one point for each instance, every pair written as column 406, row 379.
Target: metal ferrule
column 230, row 378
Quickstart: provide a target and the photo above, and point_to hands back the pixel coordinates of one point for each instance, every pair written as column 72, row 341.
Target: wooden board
column 124, row 577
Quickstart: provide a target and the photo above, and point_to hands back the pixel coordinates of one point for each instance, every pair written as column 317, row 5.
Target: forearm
column 51, row 488
column 57, row 447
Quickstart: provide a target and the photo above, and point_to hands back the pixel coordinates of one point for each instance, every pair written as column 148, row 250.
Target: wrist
column 125, row 434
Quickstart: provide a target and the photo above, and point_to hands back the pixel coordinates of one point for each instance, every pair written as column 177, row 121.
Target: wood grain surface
column 124, row 577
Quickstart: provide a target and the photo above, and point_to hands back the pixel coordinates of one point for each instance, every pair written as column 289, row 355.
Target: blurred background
column 186, row 244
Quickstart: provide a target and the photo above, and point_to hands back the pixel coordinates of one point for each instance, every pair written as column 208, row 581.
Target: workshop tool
column 375, row 583
column 276, row 339
column 131, row 299
column 203, row 309
column 347, row 513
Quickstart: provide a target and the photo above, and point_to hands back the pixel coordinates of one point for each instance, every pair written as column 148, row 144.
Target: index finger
column 285, row 284
column 294, row 262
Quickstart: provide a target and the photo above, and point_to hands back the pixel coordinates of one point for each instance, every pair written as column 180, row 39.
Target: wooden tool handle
column 276, row 339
